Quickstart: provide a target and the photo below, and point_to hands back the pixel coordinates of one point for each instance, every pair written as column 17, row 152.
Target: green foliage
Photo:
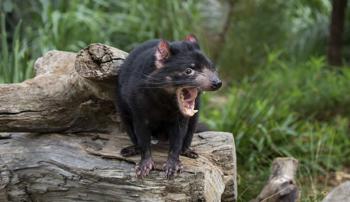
column 309, row 23
column 286, row 109
column 121, row 23
column 14, row 57
column 256, row 25
column 72, row 25
column 298, row 27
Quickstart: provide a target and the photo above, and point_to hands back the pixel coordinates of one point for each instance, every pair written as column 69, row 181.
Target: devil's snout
column 216, row 83
column 208, row 80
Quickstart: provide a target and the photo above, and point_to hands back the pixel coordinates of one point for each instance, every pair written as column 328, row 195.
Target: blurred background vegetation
column 286, row 93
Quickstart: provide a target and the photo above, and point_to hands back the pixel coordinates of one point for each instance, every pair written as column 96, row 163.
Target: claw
column 171, row 167
column 144, row 167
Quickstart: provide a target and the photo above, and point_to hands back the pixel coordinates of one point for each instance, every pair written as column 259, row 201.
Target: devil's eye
column 189, row 71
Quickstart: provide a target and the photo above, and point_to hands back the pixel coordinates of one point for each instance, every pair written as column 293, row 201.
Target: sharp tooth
column 195, row 110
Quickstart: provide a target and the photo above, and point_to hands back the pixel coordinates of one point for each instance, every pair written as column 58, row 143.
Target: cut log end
column 99, row 62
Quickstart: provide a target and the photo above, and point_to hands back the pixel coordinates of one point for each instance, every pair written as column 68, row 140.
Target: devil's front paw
column 171, row 167
column 144, row 167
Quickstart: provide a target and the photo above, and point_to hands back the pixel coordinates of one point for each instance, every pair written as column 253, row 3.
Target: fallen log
column 281, row 186
column 88, row 167
column 69, row 150
column 70, row 93
column 341, row 193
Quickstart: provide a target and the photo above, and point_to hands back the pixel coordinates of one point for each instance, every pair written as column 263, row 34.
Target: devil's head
column 183, row 68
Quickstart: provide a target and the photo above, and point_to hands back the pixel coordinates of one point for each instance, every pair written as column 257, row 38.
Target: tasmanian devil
column 159, row 87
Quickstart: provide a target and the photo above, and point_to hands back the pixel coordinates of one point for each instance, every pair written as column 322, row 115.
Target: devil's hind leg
column 186, row 150
column 133, row 149
column 126, row 119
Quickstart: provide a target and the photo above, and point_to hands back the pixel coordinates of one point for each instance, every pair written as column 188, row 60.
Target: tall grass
column 72, row 25
column 287, row 109
column 14, row 65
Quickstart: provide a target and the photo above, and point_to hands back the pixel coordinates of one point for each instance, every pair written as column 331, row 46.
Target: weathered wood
column 281, row 186
column 341, row 193
column 88, row 167
column 99, row 62
column 73, row 93
column 61, row 99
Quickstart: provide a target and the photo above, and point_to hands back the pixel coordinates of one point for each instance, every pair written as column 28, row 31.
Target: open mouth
column 186, row 98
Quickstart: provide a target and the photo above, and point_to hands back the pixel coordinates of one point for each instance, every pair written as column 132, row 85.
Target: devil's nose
column 216, row 84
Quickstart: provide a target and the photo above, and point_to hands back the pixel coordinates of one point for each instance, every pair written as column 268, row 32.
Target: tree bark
column 336, row 32
column 88, row 167
column 281, row 186
column 71, row 148
column 70, row 93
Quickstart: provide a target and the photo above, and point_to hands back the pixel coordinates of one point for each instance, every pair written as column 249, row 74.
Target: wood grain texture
column 88, row 167
column 99, row 62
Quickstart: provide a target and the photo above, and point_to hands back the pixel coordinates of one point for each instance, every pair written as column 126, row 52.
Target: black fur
column 147, row 100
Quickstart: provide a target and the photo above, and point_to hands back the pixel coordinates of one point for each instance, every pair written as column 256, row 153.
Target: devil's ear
column 191, row 38
column 162, row 53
